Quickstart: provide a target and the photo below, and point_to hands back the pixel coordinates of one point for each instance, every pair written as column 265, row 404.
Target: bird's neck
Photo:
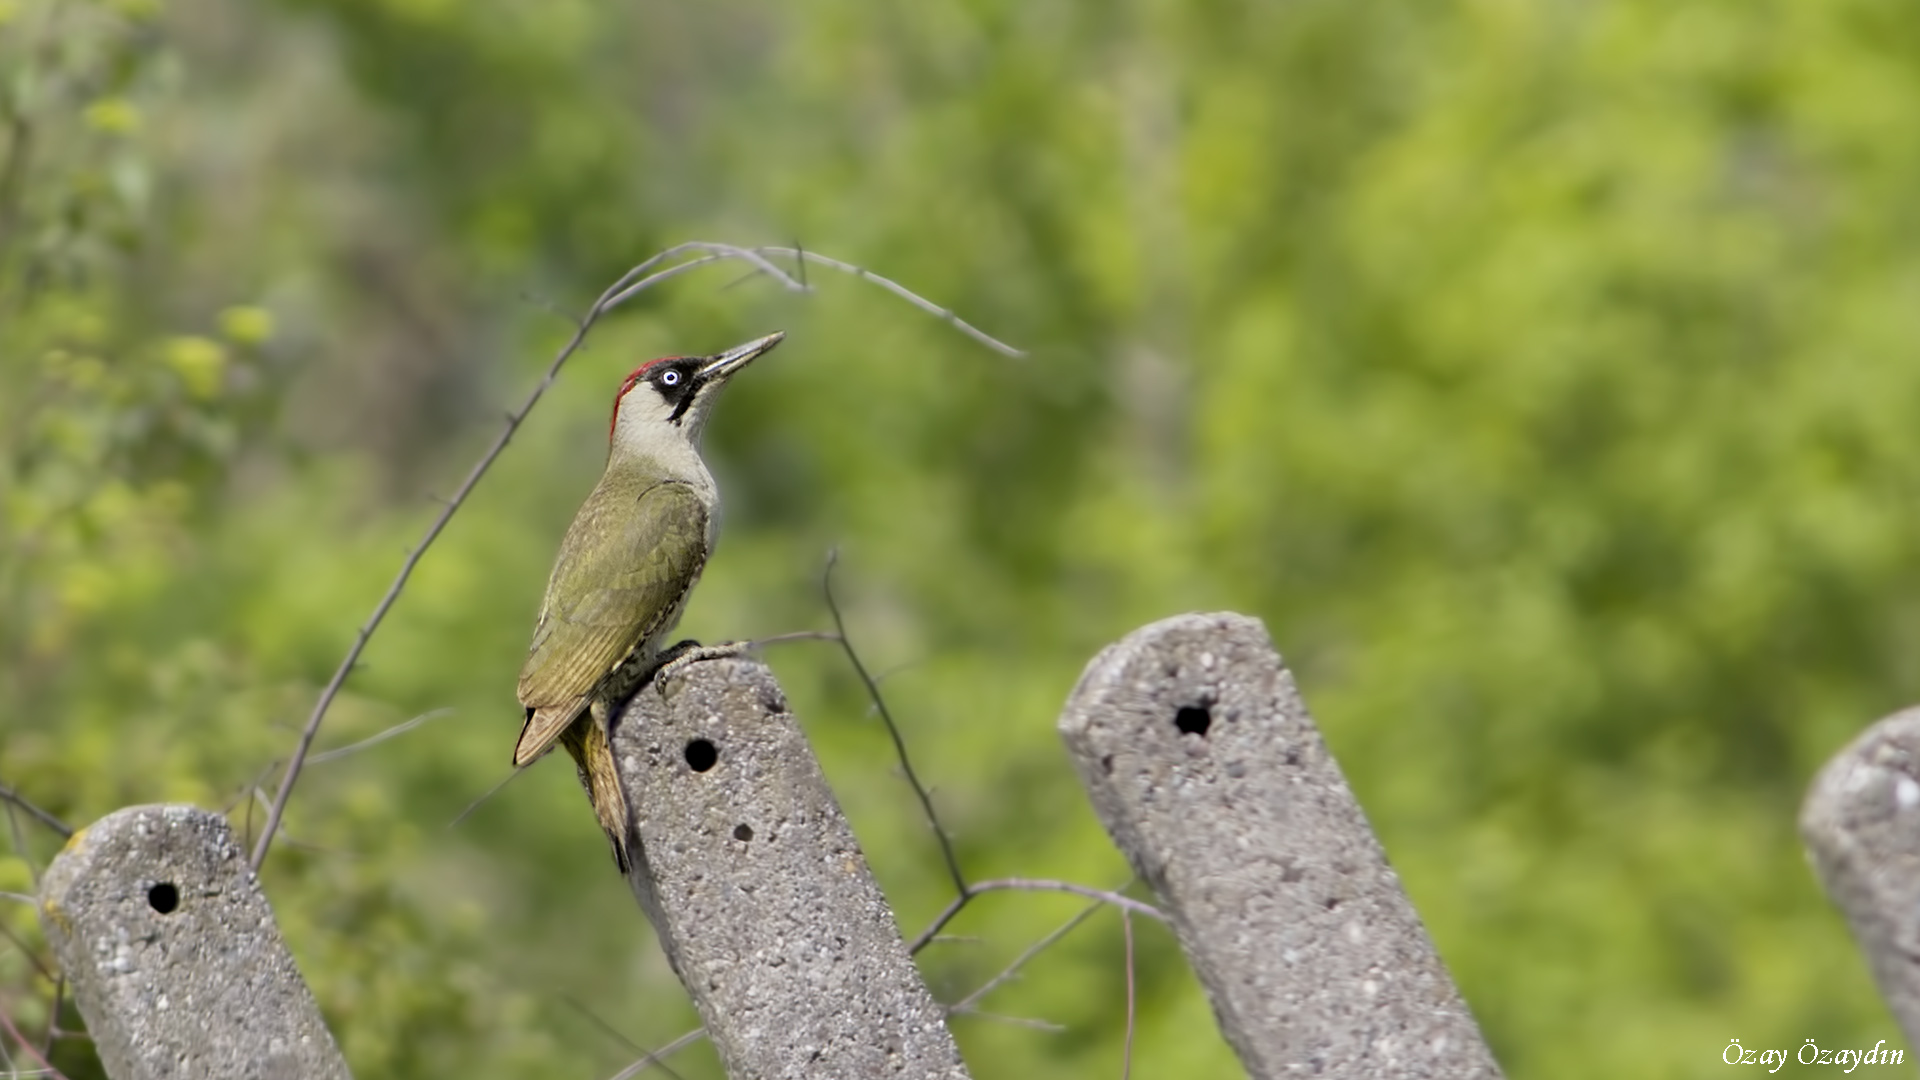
column 643, row 456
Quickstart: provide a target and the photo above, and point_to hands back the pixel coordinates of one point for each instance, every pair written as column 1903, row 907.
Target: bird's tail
column 544, row 724
column 586, row 740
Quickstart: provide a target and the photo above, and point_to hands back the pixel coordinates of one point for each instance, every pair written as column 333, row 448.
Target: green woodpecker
column 625, row 569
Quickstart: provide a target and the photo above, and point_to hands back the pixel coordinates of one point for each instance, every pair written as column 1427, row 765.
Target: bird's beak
column 738, row 357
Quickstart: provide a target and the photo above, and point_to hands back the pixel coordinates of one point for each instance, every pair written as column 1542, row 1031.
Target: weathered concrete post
column 1208, row 772
column 754, row 881
column 1861, row 824
column 174, row 957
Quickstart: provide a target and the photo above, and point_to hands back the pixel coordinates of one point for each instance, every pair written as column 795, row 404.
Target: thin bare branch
column 617, row 292
column 246, row 793
column 15, row 798
column 1105, row 896
column 796, row 635
column 899, row 290
column 487, row 794
column 260, row 798
column 601, row 1023
column 661, row 1054
column 966, row 891
column 959, row 903
column 1047, row 1026
column 31, row 1050
column 623, row 291
column 880, row 677
column 966, row 1004
column 630, row 284
column 614, row 1033
column 374, row 740
column 893, row 731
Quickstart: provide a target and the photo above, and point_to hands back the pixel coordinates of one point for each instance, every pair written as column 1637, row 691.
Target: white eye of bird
column 669, row 378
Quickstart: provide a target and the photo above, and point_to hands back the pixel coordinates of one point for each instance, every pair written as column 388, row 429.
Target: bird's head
column 670, row 398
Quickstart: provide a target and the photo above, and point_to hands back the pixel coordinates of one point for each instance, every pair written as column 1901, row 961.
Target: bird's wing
column 623, row 567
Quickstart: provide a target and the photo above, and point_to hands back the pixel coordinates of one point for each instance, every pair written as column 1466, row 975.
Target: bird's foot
column 679, row 657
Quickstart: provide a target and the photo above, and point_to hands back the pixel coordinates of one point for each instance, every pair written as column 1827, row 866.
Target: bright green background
column 1545, row 375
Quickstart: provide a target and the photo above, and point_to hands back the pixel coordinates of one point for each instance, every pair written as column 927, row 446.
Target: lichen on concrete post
column 1861, row 824
column 1211, row 777
column 759, row 892
column 174, row 957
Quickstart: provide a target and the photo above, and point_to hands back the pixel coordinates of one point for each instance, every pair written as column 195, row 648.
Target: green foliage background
column 1543, row 374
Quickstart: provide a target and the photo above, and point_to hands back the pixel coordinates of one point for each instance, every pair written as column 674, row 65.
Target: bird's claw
column 687, row 653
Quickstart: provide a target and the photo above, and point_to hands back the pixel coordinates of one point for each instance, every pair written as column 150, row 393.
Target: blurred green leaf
column 1542, row 375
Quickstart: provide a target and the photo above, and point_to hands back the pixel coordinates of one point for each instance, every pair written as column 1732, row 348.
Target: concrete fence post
column 174, row 956
column 1861, row 825
column 1205, row 767
column 759, row 892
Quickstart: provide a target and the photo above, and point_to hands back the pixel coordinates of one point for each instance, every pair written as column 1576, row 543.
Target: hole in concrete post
column 702, row 755
column 743, row 832
column 1193, row 719
column 164, row 897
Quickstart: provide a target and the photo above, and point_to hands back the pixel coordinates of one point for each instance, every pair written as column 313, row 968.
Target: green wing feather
column 626, row 563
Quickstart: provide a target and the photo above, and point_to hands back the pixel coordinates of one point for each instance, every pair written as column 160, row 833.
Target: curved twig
column 967, row 1004
column 31, row 1050
column 893, row 730
column 657, row 1056
column 959, row 903
column 44, row 818
column 804, row 257
column 374, row 740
